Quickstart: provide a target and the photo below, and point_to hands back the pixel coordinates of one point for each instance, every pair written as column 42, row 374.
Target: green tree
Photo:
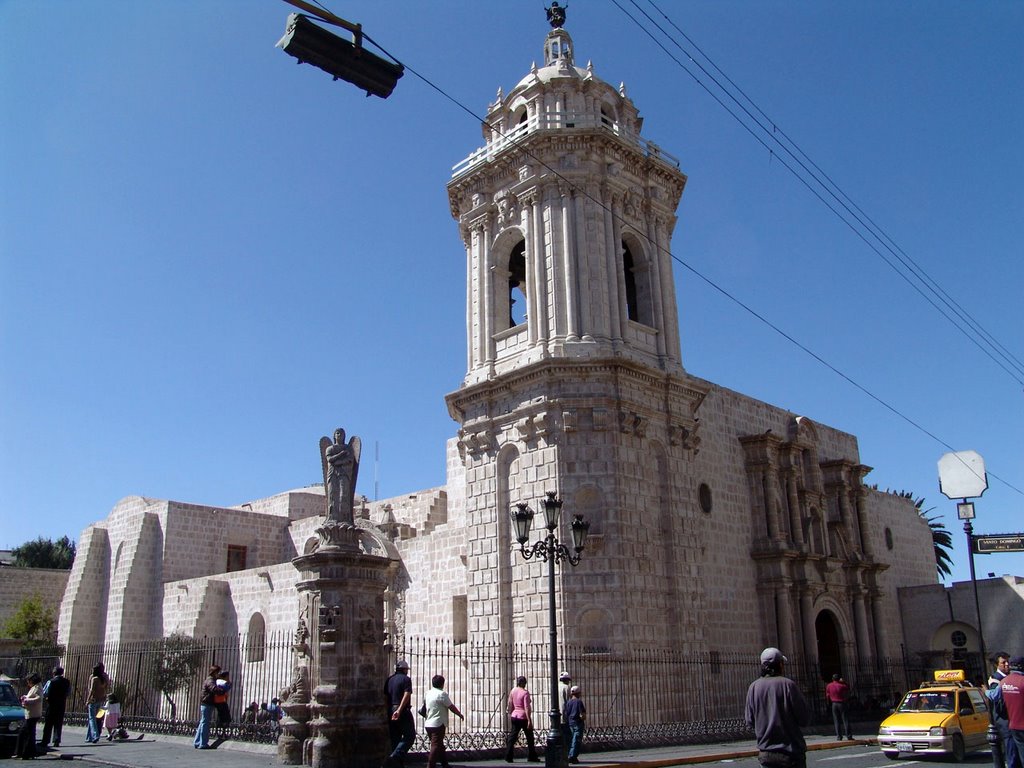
column 32, row 622
column 45, row 553
column 942, row 539
column 174, row 665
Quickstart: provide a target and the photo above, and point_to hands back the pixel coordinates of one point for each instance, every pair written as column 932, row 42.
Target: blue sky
column 211, row 256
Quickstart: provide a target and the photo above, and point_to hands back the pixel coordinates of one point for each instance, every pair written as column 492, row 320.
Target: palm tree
column 942, row 539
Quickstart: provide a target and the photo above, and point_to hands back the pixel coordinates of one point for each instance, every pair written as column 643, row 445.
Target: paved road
column 174, row 752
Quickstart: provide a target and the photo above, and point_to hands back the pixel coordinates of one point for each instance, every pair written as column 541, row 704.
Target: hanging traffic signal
column 312, row 44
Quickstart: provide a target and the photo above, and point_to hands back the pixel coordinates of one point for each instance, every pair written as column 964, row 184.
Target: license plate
column 904, row 746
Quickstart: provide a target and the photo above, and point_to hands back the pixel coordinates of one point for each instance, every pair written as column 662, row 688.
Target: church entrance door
column 829, row 658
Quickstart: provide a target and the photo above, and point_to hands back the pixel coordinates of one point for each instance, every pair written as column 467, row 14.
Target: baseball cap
column 574, row 689
column 1017, row 662
column 402, row 664
column 772, row 656
column 565, row 676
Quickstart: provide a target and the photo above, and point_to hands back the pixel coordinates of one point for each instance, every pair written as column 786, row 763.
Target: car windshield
column 8, row 697
column 927, row 701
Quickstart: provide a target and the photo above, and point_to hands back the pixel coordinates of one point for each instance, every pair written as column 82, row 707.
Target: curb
column 714, row 757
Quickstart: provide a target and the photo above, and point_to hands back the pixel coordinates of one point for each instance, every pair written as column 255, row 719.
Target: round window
column 704, row 497
column 958, row 638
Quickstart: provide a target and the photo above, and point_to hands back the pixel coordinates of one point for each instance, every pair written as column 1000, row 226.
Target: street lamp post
column 551, row 551
column 965, row 511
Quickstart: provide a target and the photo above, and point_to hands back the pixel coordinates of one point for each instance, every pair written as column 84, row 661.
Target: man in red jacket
column 1012, row 689
column 837, row 692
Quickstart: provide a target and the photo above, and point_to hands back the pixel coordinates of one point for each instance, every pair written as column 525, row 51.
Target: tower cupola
column 567, row 215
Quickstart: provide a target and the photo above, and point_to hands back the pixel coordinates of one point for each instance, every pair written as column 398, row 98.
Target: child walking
column 112, row 715
column 576, row 714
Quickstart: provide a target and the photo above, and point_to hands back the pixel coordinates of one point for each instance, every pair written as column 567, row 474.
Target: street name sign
column 1000, row 542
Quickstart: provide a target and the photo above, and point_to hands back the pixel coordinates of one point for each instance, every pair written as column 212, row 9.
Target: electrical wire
column 928, row 288
column 518, row 144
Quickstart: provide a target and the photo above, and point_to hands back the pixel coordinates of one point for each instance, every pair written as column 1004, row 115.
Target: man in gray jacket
column 777, row 710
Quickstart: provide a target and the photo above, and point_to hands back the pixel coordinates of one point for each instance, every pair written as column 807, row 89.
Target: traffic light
column 312, row 44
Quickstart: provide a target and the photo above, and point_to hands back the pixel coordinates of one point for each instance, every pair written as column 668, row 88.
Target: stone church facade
column 718, row 522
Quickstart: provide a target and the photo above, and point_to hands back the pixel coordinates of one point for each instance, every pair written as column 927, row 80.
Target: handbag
column 422, row 711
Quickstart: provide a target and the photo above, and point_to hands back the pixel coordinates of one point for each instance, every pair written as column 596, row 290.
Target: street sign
column 962, row 475
column 1000, row 542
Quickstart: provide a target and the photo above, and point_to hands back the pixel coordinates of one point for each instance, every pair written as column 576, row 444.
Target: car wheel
column 892, row 755
column 959, row 752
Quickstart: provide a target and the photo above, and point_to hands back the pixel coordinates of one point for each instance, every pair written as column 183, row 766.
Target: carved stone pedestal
column 341, row 592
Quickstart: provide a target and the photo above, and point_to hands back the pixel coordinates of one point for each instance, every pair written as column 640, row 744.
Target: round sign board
column 962, row 475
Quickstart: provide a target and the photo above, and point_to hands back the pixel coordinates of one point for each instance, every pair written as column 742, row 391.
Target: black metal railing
column 640, row 697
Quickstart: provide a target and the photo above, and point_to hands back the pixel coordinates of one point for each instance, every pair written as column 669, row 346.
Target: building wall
column 929, row 613
column 16, row 584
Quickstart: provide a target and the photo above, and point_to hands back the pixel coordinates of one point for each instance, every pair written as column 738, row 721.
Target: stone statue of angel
column 340, row 462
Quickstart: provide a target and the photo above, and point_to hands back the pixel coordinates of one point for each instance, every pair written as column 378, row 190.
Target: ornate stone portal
column 334, row 710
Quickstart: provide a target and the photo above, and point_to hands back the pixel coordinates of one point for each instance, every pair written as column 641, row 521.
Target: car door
column 973, row 709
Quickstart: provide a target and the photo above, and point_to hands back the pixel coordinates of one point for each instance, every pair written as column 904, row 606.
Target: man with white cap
column 776, row 710
column 564, row 684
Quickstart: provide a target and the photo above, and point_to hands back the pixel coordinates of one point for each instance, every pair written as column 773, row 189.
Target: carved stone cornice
column 632, row 423
column 537, row 426
column 473, row 443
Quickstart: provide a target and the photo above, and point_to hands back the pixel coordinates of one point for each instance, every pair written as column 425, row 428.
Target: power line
column 865, row 228
column 518, row 144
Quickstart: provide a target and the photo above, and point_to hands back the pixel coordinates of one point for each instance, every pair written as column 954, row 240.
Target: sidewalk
column 173, row 751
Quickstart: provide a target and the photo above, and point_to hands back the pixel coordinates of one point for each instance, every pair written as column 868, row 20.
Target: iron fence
column 641, row 697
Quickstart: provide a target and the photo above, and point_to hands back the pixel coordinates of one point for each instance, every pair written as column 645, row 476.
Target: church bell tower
column 574, row 378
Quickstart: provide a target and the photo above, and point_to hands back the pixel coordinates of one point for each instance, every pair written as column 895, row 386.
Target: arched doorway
column 826, row 628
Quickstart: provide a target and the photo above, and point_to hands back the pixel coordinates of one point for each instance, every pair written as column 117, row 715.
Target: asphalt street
column 173, row 752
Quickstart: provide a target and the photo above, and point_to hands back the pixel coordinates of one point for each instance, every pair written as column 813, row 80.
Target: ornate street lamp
column 551, row 551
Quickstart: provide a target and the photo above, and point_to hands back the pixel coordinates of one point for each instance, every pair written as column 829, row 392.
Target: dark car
column 11, row 718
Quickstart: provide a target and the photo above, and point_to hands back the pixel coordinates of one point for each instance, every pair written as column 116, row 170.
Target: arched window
column 607, row 119
column 638, row 287
column 517, row 308
column 256, row 639
column 518, row 117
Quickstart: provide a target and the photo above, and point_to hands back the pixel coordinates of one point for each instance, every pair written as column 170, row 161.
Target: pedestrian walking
column 1011, row 688
column 55, row 693
column 576, row 713
column 220, row 700
column 1001, row 668
column 838, row 694
column 33, row 705
column 401, row 725
column 112, row 715
column 564, row 685
column 776, row 711
column 99, row 687
column 520, row 712
column 438, row 704
column 207, row 708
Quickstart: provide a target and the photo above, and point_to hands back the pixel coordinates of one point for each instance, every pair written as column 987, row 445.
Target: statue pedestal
column 341, row 591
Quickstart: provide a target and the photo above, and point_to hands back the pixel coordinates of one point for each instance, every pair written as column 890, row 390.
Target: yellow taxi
column 947, row 716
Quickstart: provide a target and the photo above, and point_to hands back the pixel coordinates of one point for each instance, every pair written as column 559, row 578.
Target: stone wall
column 929, row 613
column 16, row 584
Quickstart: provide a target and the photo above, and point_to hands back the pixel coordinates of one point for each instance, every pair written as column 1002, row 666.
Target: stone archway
column 829, row 639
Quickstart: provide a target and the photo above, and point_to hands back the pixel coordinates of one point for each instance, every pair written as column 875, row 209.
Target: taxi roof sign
column 949, row 675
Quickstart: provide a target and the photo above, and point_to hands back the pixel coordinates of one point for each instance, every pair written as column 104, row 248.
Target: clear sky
column 210, row 256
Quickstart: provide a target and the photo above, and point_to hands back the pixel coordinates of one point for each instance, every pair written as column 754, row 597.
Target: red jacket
column 837, row 690
column 1012, row 688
